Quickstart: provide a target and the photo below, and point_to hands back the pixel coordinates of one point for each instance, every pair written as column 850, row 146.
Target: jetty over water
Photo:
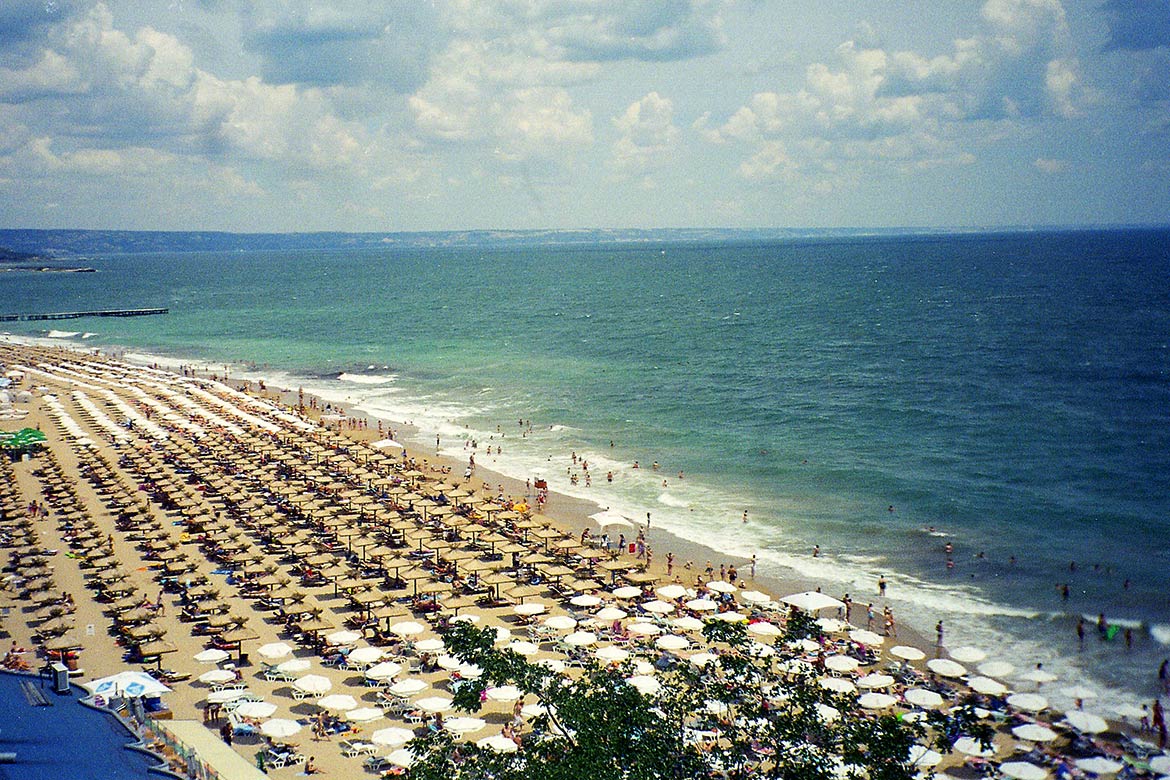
column 73, row 315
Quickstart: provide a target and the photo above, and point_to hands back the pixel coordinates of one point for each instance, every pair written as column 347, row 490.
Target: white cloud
column 648, row 135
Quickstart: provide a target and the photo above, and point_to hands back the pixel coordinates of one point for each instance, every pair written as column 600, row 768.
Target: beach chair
column 354, row 748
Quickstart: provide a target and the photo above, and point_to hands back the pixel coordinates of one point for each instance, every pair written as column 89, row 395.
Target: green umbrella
column 22, row 439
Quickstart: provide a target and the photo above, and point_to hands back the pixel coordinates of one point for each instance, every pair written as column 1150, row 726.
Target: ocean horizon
column 870, row 398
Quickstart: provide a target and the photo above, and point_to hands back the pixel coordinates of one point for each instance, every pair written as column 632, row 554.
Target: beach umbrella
column 313, row 684
column 1160, row 764
column 364, row 715
column 1029, row 702
column 407, row 628
column 408, row 687
column 644, row 629
column 274, row 650
column 365, row 655
column 920, row 697
column 837, row 685
column 763, row 628
column 1022, row 770
column 338, row 702
column 529, row 609
column 754, row 597
column 560, row 622
column 987, row 686
column 996, row 668
column 497, row 742
column 504, row 693
column 906, row 653
column 522, row 647
column 869, row 638
column 719, row 586
column 967, row 654
column 212, row 656
column 585, row 600
column 553, row 664
column 946, row 667
column 129, row 684
column 1099, row 765
column 1038, row 676
column 687, row 623
column 875, row 681
column 672, row 642
column 448, row 662
column 430, row 645
column 383, row 671
column 434, row 704
column 972, row 747
column 279, row 728
column 392, row 736
column 215, row 676
column 609, row 517
column 702, row 605
column 658, row 607
column 610, row 613
column 1079, row 692
column 923, row 757
column 342, row 638
column 839, row 663
column 503, row 634
column 1034, row 732
column 671, row 591
column 832, row 625
column 463, row 725
column 702, row 659
column 469, row 671
column 876, row 701
column 294, row 666
column 255, row 709
column 581, row 638
column 225, row 696
column 646, row 684
column 401, row 757
column 611, row 654
column 627, row 592
column 1087, row 723
column 811, row 601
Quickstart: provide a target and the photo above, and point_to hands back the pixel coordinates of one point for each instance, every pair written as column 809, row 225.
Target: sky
column 410, row 115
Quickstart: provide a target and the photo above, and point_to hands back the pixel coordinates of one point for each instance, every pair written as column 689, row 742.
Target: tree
column 739, row 717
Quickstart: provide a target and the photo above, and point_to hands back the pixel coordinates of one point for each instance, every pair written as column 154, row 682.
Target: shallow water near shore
column 1008, row 391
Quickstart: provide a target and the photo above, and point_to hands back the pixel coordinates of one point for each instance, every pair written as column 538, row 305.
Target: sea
column 867, row 400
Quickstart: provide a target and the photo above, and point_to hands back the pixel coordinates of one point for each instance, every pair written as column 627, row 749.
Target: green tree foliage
column 737, row 718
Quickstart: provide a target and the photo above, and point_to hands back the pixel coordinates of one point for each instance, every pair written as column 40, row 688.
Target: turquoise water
column 1008, row 390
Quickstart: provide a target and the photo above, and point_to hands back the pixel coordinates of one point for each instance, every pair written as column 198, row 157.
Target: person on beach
column 882, row 586
column 1081, row 632
column 938, row 644
column 1163, row 675
column 745, row 517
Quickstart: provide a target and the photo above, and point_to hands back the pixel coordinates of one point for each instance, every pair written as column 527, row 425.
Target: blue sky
column 479, row 114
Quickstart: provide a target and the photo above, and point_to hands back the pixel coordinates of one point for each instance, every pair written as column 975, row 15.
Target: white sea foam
column 669, row 500
column 368, row 379
column 63, row 334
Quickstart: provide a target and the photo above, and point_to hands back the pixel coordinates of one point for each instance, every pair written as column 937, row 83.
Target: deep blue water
column 1009, row 390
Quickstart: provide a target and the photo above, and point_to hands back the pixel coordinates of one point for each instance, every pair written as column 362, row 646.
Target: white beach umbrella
column 364, row 715
column 464, row 725
column 987, row 686
column 1079, row 692
column 920, row 697
column 907, row 653
column 996, row 668
column 1034, row 732
column 644, row 629
column 864, row 637
column 841, row 663
column 337, row 702
column 627, row 592
column 383, row 671
column 503, row 634
column 610, row 517
column 498, row 743
column 212, row 656
column 342, row 638
column 1088, row 723
column 828, row 714
column 811, row 601
column 967, row 654
column 831, row 625
column 658, row 607
column 408, row 687
column 215, row 676
column 1099, row 765
column 671, row 591
column 702, row 605
column 610, row 613
column 407, row 628
column 946, row 667
column 923, row 757
column 225, row 696
column 764, row 628
column 971, row 747
column 365, row 655
column 1029, row 702
column 875, row 681
column 560, row 623
column 837, row 685
column 504, row 693
column 279, row 728
column 392, row 736
column 523, row 647
column 530, row 608
column 255, row 709
column 585, row 600
column 719, row 586
column 876, row 701
column 646, row 685
column 1022, row 770
column 313, row 684
column 401, row 757
column 687, row 623
column 274, row 650
column 795, row 666
column 466, row 618
column 754, row 597
column 1038, row 676
column 434, row 704
column 448, row 662
column 581, row 638
column 672, row 642
column 535, row 710
column 430, row 645
column 731, row 617
column 553, row 664
column 294, row 666
column 702, row 659
column 611, row 654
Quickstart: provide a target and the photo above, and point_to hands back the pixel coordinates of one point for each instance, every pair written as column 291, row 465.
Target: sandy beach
column 167, row 515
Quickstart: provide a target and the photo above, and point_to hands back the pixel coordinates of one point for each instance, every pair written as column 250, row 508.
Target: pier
column 73, row 315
